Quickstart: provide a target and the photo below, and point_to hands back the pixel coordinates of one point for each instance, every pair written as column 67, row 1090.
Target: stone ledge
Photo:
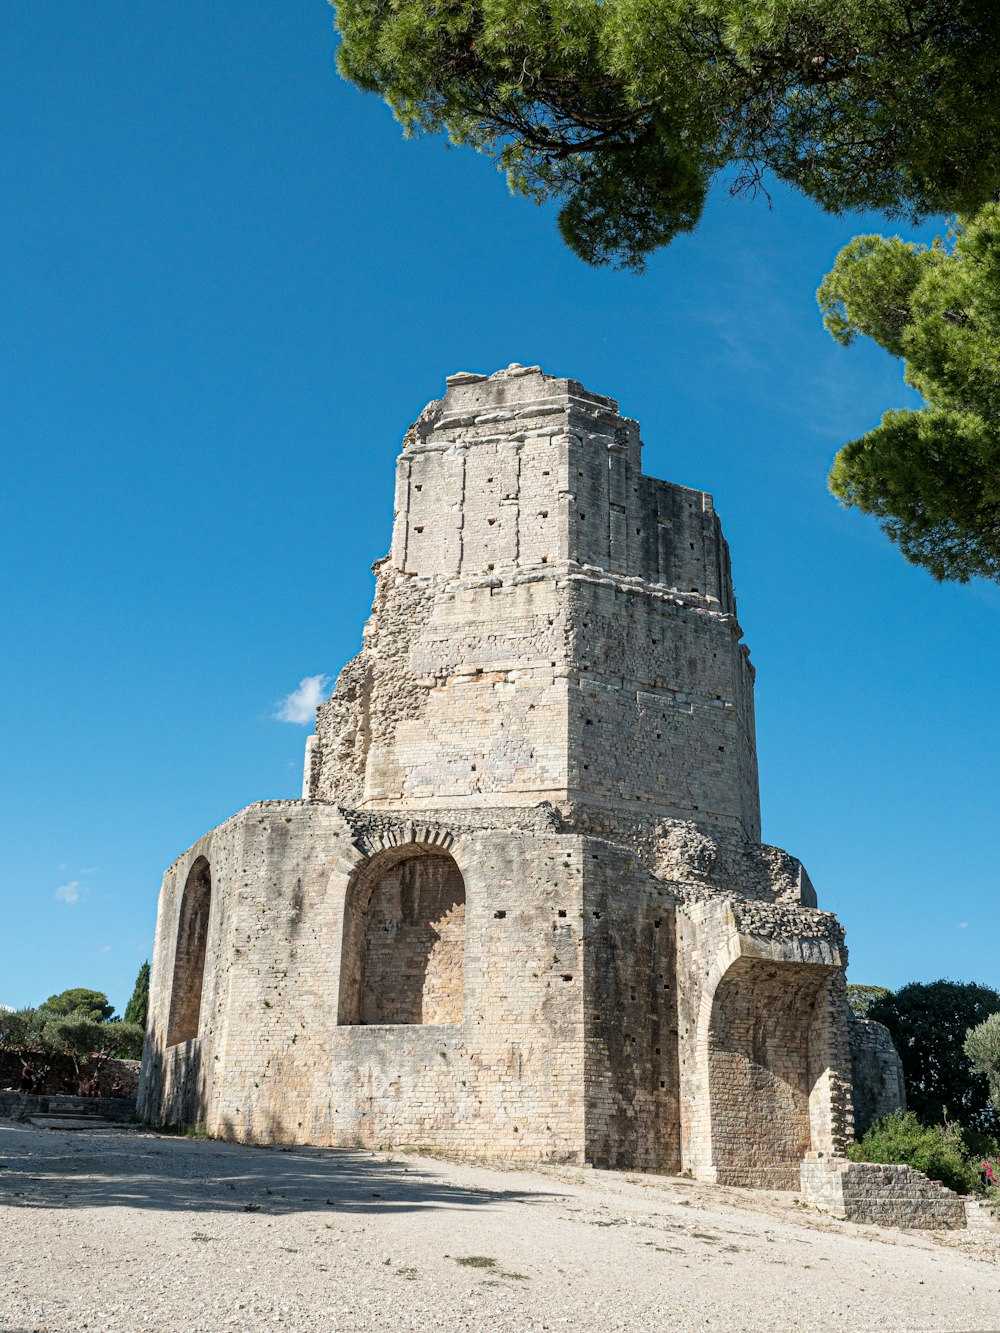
column 888, row 1195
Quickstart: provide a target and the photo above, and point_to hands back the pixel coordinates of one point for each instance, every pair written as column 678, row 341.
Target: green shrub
column 978, row 1146
column 937, row 1150
column 21, row 1030
column 123, row 1040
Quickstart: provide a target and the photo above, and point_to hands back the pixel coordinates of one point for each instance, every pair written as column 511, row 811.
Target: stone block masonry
column 522, row 910
column 887, row 1195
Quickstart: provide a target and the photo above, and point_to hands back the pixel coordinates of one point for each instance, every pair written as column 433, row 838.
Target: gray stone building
column 522, row 908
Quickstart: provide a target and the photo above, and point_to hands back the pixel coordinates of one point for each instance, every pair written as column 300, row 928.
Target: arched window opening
column 189, row 957
column 404, row 941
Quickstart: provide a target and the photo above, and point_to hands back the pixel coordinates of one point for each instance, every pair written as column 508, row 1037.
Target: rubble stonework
column 522, row 909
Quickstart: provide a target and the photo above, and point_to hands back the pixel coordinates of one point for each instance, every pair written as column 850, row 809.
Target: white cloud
column 105, row 948
column 963, row 925
column 68, row 893
column 301, row 704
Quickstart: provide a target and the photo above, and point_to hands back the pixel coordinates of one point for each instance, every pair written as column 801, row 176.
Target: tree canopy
column 982, row 1046
column 80, row 1033
column 79, row 1000
column 861, row 998
column 624, row 111
column 931, row 476
column 928, row 1022
column 21, row 1029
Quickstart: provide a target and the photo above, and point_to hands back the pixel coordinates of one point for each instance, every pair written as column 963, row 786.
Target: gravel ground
column 123, row 1230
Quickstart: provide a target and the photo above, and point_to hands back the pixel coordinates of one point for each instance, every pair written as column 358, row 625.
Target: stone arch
column 189, row 954
column 403, row 953
column 766, row 1054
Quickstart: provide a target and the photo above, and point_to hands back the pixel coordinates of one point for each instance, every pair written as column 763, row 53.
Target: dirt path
column 125, row 1231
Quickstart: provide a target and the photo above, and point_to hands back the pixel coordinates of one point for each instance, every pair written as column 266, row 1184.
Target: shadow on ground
column 49, row 1169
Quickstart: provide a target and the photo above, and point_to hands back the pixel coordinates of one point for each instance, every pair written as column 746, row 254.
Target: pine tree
column 931, row 476
column 625, row 114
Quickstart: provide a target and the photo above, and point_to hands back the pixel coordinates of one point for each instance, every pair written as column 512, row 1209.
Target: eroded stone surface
column 522, row 908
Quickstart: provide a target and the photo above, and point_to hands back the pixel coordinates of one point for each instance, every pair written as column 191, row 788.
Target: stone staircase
column 70, row 1119
column 55, row 1111
column 887, row 1195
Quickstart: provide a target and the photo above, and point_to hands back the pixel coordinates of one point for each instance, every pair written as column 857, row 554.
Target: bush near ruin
column 937, row 1150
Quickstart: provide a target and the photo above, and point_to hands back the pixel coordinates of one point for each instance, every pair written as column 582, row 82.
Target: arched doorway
column 189, row 956
column 766, row 1051
column 404, row 940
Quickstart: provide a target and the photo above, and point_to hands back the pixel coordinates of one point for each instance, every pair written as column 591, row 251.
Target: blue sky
column 228, row 286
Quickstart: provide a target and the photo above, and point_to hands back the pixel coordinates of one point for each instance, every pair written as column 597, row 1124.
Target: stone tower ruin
column 522, row 908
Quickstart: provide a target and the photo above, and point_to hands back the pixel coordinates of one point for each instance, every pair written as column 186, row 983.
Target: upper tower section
column 520, row 470
column 550, row 626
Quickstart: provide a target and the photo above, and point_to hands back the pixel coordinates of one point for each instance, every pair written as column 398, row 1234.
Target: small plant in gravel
column 475, row 1261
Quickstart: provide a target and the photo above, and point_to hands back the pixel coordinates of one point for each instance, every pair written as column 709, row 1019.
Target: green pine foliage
column 79, row 1000
column 77, row 1023
column 932, row 476
column 624, row 111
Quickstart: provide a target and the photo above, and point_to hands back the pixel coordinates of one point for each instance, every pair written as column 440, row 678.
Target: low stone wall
column 880, row 1194
column 21, row 1106
column 876, row 1072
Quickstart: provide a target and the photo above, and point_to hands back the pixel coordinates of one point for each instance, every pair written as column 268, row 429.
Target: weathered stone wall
column 550, row 625
column 272, row 1062
column 522, row 909
column 876, row 1072
column 566, row 1041
column 189, row 954
column 628, row 924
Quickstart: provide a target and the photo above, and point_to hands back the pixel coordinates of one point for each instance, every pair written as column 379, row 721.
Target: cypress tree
column 138, row 1006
